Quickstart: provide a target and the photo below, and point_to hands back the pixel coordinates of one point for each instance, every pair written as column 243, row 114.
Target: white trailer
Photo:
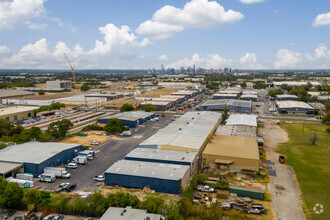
column 47, row 177
column 58, row 172
column 80, row 159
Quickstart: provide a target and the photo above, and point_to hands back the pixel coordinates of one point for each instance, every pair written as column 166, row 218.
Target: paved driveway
column 108, row 154
column 283, row 187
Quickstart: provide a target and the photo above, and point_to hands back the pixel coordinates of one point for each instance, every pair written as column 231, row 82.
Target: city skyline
column 241, row 34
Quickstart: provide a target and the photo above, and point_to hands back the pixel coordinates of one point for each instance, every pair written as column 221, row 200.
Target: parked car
column 126, row 133
column 71, row 165
column 162, row 115
column 49, row 217
column 99, row 178
column 156, row 119
column 205, row 188
column 70, row 187
column 254, row 211
column 58, row 217
column 94, row 143
column 61, row 187
column 225, row 206
column 8, row 214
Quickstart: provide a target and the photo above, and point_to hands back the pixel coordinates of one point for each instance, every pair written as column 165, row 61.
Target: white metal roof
column 156, row 154
column 293, row 104
column 13, row 92
column 117, row 213
column 148, row 169
column 232, row 130
column 228, row 102
column 6, row 167
column 295, row 83
column 189, row 131
column 286, row 96
column 131, row 115
column 249, row 96
column 15, row 110
column 241, row 119
column 33, row 152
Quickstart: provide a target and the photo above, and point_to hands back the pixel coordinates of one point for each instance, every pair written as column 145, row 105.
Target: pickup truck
column 205, row 189
column 99, row 178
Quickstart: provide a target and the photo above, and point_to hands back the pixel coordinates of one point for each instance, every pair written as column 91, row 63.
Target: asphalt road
column 108, row 154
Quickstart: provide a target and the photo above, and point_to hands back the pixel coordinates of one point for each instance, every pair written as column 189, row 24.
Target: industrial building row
column 237, row 93
column 131, row 119
column 232, row 105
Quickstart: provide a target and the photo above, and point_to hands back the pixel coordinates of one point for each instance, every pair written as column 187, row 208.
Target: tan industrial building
column 231, row 154
column 17, row 113
column 13, row 93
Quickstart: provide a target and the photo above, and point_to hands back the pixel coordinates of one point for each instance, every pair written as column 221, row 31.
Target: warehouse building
column 35, row 156
column 225, row 96
column 8, row 168
column 231, row 91
column 59, row 84
column 82, row 100
column 232, row 105
column 108, row 96
column 286, row 97
column 15, row 113
column 294, row 108
column 131, row 119
column 242, row 120
column 233, row 130
column 248, row 97
column 175, row 99
column 231, row 154
column 318, row 106
column 190, row 132
column 186, row 93
column 128, row 213
column 165, row 156
column 295, row 83
column 160, row 105
column 161, row 177
column 13, row 93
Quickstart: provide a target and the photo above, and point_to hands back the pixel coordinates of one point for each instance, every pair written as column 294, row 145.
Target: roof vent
column 122, row 213
column 124, row 210
column 182, row 158
column 187, row 122
column 147, row 218
column 180, row 129
column 192, row 118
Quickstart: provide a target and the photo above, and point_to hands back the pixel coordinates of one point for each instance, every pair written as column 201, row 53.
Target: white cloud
column 116, row 38
column 251, row 1
column 216, row 61
column 34, row 26
column 118, row 42
column 322, row 20
column 319, row 53
column 203, row 14
column 4, row 50
column 287, row 59
column 13, row 12
column 60, row 23
column 163, row 57
column 157, row 31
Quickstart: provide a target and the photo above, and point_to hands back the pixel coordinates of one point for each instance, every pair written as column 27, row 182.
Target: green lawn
column 311, row 164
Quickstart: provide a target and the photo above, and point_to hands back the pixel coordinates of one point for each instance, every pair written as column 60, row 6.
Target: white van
column 71, row 165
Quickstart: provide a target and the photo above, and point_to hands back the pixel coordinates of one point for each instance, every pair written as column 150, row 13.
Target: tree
column 41, row 92
column 44, row 198
column 59, row 129
column 326, row 118
column 95, row 201
column 285, row 87
column 12, row 196
column 149, row 108
column 314, row 138
column 243, row 85
column 126, row 107
column 84, row 88
column 114, row 125
column 31, row 196
column 57, row 105
column 153, row 204
column 273, row 93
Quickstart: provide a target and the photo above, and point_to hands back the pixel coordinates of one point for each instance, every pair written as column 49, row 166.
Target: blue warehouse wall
column 55, row 161
column 131, row 124
column 159, row 185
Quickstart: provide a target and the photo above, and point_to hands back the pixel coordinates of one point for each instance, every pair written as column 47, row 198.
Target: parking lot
column 106, row 155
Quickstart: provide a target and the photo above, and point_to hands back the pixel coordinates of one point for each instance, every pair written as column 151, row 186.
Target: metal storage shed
column 247, row 192
column 156, row 176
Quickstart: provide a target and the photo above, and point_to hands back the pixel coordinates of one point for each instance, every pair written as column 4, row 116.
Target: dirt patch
column 117, row 103
column 85, row 140
column 158, row 92
column 273, row 133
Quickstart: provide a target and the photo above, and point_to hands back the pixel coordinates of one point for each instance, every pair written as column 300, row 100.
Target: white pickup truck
column 205, row 189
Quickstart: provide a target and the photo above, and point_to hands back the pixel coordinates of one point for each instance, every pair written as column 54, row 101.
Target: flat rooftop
column 6, row 167
column 128, row 213
column 189, row 131
column 232, row 130
column 241, row 119
column 233, row 146
column 249, row 96
column 78, row 98
column 131, row 115
column 293, row 104
column 226, row 95
column 155, row 102
column 230, row 92
column 13, row 92
column 15, row 110
column 286, row 96
column 228, row 102
column 157, row 154
column 33, row 152
column 148, row 169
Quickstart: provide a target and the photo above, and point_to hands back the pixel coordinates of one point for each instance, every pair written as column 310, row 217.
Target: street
column 108, row 154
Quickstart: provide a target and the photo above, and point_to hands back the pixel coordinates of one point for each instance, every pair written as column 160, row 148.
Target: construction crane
column 73, row 75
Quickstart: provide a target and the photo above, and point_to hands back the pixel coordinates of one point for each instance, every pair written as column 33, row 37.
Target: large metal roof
column 7, row 167
column 189, row 131
column 241, row 119
column 233, row 146
column 168, row 155
column 228, row 102
column 148, row 169
column 293, row 104
column 232, row 130
column 33, row 152
column 131, row 115
column 117, row 213
column 13, row 92
column 16, row 110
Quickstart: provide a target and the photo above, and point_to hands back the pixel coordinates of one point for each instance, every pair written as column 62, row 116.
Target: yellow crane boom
column 73, row 74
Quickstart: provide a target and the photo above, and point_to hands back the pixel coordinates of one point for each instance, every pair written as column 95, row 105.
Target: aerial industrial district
column 164, row 146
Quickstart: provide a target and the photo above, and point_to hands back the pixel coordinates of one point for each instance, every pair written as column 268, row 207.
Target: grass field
column 311, row 164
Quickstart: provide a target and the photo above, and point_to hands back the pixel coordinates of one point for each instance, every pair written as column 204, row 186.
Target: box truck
column 90, row 154
column 47, row 177
column 80, row 159
column 58, row 172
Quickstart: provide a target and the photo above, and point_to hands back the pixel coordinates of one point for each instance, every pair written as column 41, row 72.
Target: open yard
column 85, row 140
column 311, row 164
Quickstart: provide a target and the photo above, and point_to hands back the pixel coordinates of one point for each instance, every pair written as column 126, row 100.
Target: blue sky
column 251, row 34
